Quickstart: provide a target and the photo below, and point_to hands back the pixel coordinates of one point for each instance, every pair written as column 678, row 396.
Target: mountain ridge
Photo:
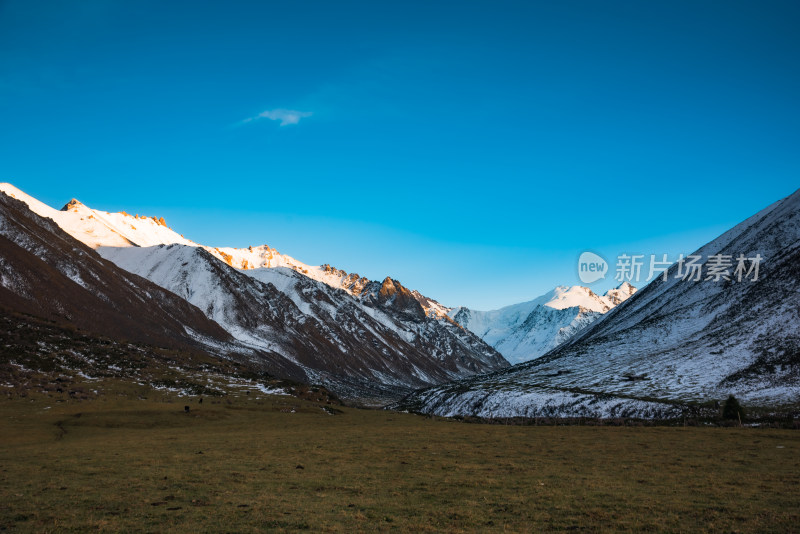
column 98, row 228
column 48, row 274
column 350, row 333
column 679, row 342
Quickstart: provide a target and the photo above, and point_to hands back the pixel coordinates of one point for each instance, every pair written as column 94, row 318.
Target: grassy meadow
column 251, row 463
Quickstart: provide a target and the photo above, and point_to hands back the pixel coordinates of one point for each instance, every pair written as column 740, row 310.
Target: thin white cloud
column 286, row 116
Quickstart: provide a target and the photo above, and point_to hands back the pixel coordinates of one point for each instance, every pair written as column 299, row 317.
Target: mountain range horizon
column 237, row 257
column 355, row 335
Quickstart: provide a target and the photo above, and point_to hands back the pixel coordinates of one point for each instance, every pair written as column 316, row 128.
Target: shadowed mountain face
column 377, row 339
column 676, row 340
column 49, row 274
column 381, row 337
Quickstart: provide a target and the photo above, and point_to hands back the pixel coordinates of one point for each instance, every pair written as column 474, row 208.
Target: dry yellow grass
column 255, row 465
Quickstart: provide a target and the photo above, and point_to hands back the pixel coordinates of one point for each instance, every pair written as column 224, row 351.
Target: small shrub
column 732, row 409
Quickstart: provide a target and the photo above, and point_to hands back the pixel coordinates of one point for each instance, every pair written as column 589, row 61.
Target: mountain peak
column 620, row 293
column 73, row 205
column 570, row 296
column 388, row 288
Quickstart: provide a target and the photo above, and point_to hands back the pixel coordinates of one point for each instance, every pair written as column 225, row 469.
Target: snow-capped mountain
column 341, row 329
column 98, row 228
column 683, row 340
column 619, row 294
column 525, row 331
column 382, row 337
column 46, row 273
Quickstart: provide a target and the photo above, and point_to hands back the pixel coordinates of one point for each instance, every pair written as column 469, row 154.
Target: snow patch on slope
column 98, row 228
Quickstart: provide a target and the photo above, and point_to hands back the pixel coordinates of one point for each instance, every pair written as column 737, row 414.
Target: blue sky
column 471, row 150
